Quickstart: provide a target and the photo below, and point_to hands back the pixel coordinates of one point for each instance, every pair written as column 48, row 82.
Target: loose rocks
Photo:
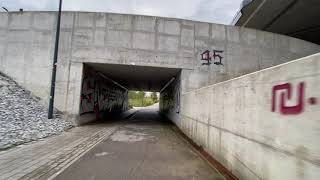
column 22, row 117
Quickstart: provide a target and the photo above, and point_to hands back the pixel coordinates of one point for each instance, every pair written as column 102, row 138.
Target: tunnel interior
column 105, row 87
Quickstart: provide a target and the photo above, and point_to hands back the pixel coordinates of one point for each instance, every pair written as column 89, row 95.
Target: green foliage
column 138, row 99
column 154, row 96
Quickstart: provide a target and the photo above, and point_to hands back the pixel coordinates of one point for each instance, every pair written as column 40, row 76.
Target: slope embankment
column 23, row 118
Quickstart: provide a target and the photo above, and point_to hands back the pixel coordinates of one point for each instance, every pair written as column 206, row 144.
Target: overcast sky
column 217, row 11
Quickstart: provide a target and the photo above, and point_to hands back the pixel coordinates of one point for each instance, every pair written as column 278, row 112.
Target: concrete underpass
column 104, row 88
column 146, row 145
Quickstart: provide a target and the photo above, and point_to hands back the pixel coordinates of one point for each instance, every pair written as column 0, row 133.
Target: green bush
column 138, row 99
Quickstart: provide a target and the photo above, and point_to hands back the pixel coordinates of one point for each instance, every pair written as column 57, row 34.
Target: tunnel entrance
column 105, row 88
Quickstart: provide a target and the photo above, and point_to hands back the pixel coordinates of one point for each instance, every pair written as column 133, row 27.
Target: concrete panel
column 3, row 36
column 44, row 21
column 101, row 20
column 62, row 74
column 67, row 20
column 265, row 39
column 109, row 53
column 233, row 34
column 248, row 37
column 245, row 65
column 64, row 46
column 202, row 29
column 118, row 38
column 74, row 91
column 83, row 37
column 20, row 20
column 40, row 56
column 43, row 37
column 281, row 42
column 4, row 20
column 195, row 80
column 201, row 44
column 168, row 43
column 85, row 20
column 214, row 139
column 297, row 46
column 268, row 58
column 15, row 55
column 144, row 23
column 16, row 36
column 2, row 56
column 31, row 82
column 143, row 41
column 99, row 37
column 169, row 27
column 119, row 22
column 215, row 101
column 81, row 52
column 187, row 38
column 201, row 106
column 202, row 135
column 218, row 32
column 61, row 96
column 283, row 56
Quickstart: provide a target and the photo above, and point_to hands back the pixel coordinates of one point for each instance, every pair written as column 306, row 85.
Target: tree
column 154, row 97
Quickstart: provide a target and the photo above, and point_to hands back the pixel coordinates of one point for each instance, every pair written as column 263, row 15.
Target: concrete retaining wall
column 246, row 125
column 27, row 39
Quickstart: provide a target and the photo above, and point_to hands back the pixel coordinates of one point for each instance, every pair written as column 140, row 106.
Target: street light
column 5, row 9
column 54, row 67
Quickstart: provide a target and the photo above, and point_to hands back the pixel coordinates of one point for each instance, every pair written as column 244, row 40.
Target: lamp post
column 54, row 67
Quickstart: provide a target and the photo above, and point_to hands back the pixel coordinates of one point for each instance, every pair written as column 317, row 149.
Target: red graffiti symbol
column 312, row 101
column 205, row 56
column 286, row 95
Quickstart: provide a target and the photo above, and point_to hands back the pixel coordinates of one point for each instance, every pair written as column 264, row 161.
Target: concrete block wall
column 27, row 43
column 235, row 123
column 26, row 48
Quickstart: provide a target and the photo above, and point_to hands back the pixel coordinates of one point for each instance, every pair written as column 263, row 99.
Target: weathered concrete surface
column 145, row 147
column 26, row 48
column 27, row 39
column 235, row 123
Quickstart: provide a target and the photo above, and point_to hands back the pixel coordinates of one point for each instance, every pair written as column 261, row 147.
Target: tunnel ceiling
column 142, row 78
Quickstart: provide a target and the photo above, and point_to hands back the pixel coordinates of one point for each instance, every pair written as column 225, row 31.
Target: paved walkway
column 42, row 159
column 144, row 147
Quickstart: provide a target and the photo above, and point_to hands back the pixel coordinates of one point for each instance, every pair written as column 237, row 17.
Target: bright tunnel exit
column 141, row 99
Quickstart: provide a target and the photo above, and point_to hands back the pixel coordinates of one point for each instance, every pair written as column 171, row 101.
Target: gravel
column 23, row 118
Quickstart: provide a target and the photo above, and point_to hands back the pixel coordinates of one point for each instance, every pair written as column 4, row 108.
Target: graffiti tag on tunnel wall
column 285, row 92
column 99, row 95
column 208, row 57
column 88, row 93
